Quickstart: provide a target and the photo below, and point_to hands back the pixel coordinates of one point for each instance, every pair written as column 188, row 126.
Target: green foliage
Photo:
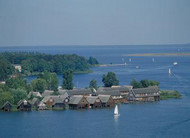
column 6, row 96
column 38, row 85
column 110, row 79
column 6, row 69
column 17, row 82
column 136, row 84
column 92, row 61
column 51, row 79
column 18, row 94
column 93, row 84
column 37, row 62
column 167, row 94
column 68, row 80
column 143, row 83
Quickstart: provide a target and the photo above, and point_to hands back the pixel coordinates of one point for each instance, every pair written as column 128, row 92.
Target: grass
column 168, row 94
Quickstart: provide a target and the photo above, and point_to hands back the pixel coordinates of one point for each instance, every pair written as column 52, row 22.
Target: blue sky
column 94, row 22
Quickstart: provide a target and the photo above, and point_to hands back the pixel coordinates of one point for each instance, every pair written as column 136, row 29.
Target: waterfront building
column 107, row 100
column 24, row 105
column 7, row 106
column 94, row 102
column 78, row 102
column 150, row 93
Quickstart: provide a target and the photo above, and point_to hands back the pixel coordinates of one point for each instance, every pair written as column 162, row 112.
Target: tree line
column 32, row 62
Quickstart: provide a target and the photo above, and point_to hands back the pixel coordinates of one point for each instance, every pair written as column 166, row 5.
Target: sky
column 94, row 22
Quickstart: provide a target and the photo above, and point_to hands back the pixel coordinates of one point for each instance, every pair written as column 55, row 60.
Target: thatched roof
column 150, row 89
column 79, row 92
column 75, row 99
column 104, row 98
column 91, row 99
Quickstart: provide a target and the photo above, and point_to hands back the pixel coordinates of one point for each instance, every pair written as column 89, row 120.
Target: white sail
column 170, row 72
column 130, row 60
column 152, row 59
column 116, row 113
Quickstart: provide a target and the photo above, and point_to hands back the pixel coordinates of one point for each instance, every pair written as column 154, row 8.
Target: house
column 7, row 106
column 56, row 101
column 60, row 101
column 94, row 101
column 42, row 106
column 107, row 100
column 150, row 93
column 47, row 93
column 18, row 67
column 85, row 92
column 78, row 102
column 24, row 105
column 48, row 100
column 35, row 94
column 35, row 102
column 114, row 92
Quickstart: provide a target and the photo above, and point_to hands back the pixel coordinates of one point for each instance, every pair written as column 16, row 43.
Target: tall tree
column 110, row 79
column 68, row 80
column 51, row 79
column 6, row 69
column 136, row 84
column 18, row 94
column 38, row 85
column 93, row 84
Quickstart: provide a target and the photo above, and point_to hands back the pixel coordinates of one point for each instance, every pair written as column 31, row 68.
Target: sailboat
column 130, row 60
column 152, row 59
column 116, row 113
column 170, row 72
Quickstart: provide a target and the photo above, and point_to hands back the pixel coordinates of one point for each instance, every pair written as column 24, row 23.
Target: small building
column 42, row 106
column 48, row 100
column 114, row 92
column 24, row 105
column 150, row 93
column 47, row 93
column 84, row 92
column 60, row 101
column 35, row 102
column 56, row 101
column 7, row 106
column 94, row 101
column 107, row 100
column 78, row 102
column 35, row 94
column 18, row 67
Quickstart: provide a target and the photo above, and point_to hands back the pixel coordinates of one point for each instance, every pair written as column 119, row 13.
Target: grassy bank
column 167, row 94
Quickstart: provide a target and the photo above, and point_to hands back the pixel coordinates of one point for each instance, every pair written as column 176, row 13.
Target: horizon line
column 97, row 45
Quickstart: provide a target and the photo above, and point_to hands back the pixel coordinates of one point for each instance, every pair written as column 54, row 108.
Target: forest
column 33, row 63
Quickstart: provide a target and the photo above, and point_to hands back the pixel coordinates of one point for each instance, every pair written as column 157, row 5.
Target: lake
column 169, row 118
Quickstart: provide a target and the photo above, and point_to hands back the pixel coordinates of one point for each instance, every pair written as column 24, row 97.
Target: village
column 103, row 97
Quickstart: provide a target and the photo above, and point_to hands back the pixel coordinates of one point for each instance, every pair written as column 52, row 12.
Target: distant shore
column 158, row 54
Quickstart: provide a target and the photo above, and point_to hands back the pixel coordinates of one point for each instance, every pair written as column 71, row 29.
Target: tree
column 68, row 80
column 92, row 61
column 51, row 79
column 136, row 84
column 18, row 94
column 110, row 79
column 6, row 69
column 153, row 83
column 6, row 96
column 15, row 83
column 38, row 85
column 145, row 83
column 93, row 84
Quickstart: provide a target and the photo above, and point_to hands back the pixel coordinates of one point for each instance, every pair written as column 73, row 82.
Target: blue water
column 170, row 118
